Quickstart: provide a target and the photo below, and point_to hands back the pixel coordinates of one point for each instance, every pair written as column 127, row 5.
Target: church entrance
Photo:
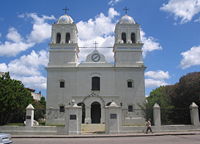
column 95, row 112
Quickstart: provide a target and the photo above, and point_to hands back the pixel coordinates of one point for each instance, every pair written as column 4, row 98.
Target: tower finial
column 126, row 10
column 65, row 10
column 95, row 45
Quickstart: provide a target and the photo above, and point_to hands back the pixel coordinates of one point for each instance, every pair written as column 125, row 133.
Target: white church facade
column 95, row 83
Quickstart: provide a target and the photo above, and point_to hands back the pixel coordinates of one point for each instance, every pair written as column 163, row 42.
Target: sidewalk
column 108, row 135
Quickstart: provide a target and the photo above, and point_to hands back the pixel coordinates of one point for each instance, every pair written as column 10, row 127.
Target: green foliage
column 160, row 96
column 147, row 110
column 14, row 99
column 40, row 109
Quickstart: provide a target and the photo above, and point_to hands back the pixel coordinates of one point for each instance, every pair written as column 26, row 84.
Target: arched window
column 58, row 38
column 95, row 83
column 133, row 39
column 62, row 84
column 124, row 37
column 67, row 39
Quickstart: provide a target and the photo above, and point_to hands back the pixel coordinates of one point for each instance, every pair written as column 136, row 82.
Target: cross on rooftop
column 65, row 9
column 126, row 10
column 95, row 45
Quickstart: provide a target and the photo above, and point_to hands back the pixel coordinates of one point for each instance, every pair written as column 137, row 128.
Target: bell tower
column 63, row 47
column 128, row 46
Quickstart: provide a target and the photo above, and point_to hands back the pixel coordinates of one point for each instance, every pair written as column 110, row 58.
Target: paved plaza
column 175, row 139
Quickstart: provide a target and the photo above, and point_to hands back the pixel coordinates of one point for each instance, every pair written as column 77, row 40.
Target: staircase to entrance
column 92, row 128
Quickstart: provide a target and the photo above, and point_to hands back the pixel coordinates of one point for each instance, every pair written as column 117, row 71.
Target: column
column 29, row 115
column 102, row 114
column 87, row 114
column 194, row 114
column 128, row 36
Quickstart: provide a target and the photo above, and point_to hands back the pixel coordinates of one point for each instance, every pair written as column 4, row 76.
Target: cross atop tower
column 65, row 10
column 126, row 10
column 95, row 45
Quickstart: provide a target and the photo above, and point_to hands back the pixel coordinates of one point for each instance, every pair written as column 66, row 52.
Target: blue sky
column 170, row 32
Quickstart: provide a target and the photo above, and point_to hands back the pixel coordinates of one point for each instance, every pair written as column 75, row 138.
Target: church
column 95, row 83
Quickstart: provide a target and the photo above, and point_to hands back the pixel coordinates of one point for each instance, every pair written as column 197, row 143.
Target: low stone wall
column 179, row 128
column 53, row 130
column 132, row 129
column 36, row 130
column 163, row 128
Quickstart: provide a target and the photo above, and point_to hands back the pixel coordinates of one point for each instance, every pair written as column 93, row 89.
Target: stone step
column 92, row 128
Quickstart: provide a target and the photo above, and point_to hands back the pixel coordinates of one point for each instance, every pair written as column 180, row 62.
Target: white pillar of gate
column 156, row 116
column 113, row 118
column 73, row 119
column 194, row 114
column 29, row 115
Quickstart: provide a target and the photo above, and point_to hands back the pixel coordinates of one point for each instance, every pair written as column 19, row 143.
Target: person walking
column 148, row 126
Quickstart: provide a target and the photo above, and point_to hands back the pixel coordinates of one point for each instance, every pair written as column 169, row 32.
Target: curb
column 105, row 136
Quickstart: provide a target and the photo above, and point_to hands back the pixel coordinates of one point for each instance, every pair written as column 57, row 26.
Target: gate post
column 29, row 115
column 73, row 119
column 156, row 116
column 113, row 118
column 194, row 114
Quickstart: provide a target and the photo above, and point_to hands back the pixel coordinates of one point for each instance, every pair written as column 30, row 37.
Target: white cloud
column 13, row 48
column 113, row 2
column 151, row 83
column 156, row 78
column 183, row 9
column 33, row 81
column 150, row 44
column 100, row 26
column 15, row 43
column 190, row 57
column 112, row 13
column 28, row 69
column 3, row 67
column 13, row 35
column 159, row 74
column 41, row 29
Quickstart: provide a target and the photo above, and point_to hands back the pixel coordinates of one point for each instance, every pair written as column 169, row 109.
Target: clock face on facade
column 95, row 57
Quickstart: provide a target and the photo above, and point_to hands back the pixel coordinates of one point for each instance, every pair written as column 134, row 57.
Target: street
column 178, row 139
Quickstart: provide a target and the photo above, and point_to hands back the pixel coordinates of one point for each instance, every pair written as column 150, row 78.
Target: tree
column 40, row 109
column 186, row 91
column 14, row 98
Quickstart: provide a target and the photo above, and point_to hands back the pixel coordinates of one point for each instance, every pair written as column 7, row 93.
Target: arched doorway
column 95, row 112
column 83, row 111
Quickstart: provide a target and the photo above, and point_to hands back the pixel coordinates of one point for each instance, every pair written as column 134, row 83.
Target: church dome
column 127, row 20
column 65, row 19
